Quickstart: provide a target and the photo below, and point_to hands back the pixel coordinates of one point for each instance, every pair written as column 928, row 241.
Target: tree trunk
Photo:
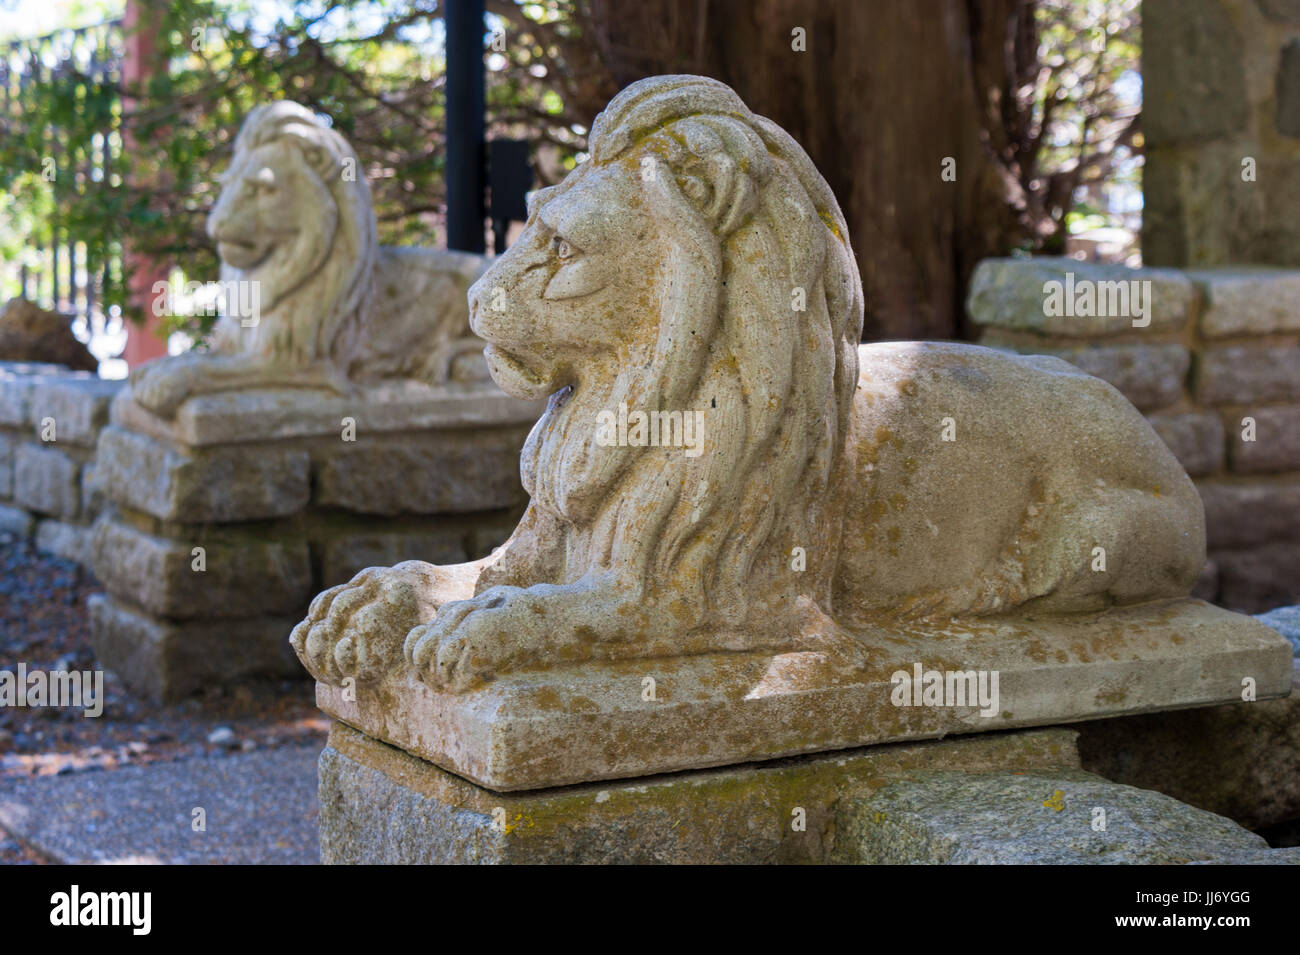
column 885, row 91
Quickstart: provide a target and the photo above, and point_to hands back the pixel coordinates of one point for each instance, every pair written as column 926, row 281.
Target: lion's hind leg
column 1121, row 545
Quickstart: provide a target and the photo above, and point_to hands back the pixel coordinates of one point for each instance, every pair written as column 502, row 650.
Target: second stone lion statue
column 296, row 234
column 697, row 263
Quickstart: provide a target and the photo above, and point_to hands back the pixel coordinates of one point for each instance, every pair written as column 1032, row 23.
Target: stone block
column 453, row 472
column 16, row 521
column 1243, row 515
column 1193, row 79
column 169, row 661
column 1034, row 818
column 9, row 444
column 1248, row 301
column 1150, row 376
column 214, row 485
column 1259, row 578
column 79, row 407
column 1009, row 294
column 387, row 407
column 569, row 724
column 47, row 480
column 1276, row 444
column 1196, row 439
column 17, row 381
column 1241, row 761
column 69, row 541
column 94, row 497
column 1246, row 374
column 381, row 805
column 242, row 576
column 344, row 556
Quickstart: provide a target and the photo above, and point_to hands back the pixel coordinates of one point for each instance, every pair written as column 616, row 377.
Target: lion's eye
column 563, row 250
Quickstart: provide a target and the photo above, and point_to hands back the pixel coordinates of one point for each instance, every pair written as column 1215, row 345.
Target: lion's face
column 274, row 220
column 560, row 296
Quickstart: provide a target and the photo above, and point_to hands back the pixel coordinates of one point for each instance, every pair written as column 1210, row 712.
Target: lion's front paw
column 473, row 640
column 161, row 386
column 356, row 629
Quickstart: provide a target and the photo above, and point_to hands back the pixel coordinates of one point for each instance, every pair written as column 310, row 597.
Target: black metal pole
column 465, row 214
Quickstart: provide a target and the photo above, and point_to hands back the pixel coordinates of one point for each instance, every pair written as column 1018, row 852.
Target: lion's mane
column 323, row 293
column 775, row 382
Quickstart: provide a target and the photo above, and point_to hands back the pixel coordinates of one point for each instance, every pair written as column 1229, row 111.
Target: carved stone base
column 600, row 721
column 224, row 522
column 167, row 660
column 381, row 805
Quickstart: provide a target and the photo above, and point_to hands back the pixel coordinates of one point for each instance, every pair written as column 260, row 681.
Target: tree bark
column 885, row 91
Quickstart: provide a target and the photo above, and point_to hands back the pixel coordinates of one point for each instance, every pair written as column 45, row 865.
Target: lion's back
column 957, row 452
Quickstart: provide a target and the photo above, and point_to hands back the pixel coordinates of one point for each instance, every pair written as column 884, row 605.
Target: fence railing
column 55, row 268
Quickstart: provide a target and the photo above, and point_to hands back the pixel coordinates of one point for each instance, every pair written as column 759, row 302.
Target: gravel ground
column 43, row 623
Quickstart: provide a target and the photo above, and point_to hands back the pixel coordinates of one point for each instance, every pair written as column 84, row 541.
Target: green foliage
column 374, row 69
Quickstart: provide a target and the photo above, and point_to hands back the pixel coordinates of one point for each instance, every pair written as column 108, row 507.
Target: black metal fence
column 55, row 268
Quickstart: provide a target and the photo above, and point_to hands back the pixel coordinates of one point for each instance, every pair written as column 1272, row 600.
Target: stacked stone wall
column 1214, row 364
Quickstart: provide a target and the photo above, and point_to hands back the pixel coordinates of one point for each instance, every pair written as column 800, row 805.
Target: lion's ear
column 538, row 198
column 714, row 168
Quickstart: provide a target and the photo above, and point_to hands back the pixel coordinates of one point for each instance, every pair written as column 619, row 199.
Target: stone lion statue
column 698, row 263
column 312, row 299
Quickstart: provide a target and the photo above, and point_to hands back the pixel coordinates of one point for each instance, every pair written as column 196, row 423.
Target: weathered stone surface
column 386, row 407
column 243, row 576
column 1150, row 376
column 344, row 557
column 213, row 485
column 78, row 406
column 448, row 473
column 1245, row 374
column 1009, row 294
column 9, row 444
column 313, row 314
column 16, row 521
column 1276, row 444
column 1248, row 301
column 1196, row 438
column 1286, row 621
column 591, row 721
column 69, row 541
column 1241, row 761
column 679, row 565
column 94, row 496
column 168, row 661
column 1262, row 577
column 47, row 480
column 1193, row 84
column 19, row 381
column 1245, row 514
column 380, row 805
column 1203, row 214
column 1032, row 818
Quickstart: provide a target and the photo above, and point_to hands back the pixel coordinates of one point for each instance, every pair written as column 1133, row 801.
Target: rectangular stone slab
column 380, row 806
column 596, row 721
column 269, row 414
